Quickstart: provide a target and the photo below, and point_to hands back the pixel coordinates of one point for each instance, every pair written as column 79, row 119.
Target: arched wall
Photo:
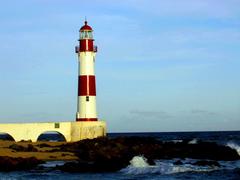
column 31, row 131
column 72, row 131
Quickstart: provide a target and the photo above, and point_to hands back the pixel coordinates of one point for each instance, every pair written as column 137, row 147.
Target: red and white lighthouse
column 86, row 106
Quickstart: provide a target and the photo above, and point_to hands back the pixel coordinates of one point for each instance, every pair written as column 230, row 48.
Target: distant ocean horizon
column 216, row 136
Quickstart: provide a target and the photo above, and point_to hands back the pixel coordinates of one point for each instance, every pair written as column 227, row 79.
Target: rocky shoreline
column 109, row 155
column 104, row 154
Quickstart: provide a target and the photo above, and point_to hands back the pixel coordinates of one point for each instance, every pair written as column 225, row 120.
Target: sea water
column 138, row 167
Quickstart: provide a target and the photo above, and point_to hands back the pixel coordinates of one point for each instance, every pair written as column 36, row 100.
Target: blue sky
column 162, row 65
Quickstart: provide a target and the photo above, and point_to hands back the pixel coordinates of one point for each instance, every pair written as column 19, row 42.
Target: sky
column 162, row 65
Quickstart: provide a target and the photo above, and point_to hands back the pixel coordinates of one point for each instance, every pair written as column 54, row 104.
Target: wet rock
column 201, row 150
column 207, row 163
column 18, row 164
column 178, row 162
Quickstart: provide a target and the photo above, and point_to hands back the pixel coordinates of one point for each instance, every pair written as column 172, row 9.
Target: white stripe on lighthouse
column 86, row 60
column 87, row 109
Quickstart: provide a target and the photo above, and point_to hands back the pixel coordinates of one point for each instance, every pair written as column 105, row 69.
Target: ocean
column 138, row 167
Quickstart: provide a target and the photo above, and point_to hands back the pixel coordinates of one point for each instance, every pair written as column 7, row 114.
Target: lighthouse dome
column 86, row 27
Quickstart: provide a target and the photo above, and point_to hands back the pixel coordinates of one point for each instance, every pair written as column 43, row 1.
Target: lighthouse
column 86, row 51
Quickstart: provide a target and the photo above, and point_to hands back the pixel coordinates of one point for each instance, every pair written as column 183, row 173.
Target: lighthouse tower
column 86, row 105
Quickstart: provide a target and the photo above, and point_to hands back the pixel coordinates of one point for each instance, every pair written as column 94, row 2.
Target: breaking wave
column 139, row 165
column 234, row 146
column 139, row 162
column 194, row 141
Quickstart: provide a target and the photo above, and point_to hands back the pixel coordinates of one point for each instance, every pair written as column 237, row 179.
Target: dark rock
column 19, row 148
column 18, row 164
column 52, row 156
column 43, row 145
column 31, row 148
column 202, row 150
column 29, row 141
column 178, row 162
column 54, row 150
column 207, row 163
column 151, row 162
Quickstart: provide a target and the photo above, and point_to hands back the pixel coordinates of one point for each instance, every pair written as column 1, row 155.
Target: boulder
column 18, row 164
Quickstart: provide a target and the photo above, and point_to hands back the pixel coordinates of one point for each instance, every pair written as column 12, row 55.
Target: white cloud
column 203, row 112
column 151, row 114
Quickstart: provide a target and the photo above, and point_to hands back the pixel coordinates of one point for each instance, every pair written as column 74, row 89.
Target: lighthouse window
column 90, row 34
column 86, row 35
column 87, row 98
column 81, row 35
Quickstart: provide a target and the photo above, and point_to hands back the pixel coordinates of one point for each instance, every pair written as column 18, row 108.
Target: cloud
column 203, row 112
column 151, row 114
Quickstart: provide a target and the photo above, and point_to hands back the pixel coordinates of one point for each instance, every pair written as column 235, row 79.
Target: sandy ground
column 42, row 153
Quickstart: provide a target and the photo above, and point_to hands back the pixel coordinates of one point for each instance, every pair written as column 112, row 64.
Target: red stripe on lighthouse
column 86, row 119
column 86, row 86
column 86, row 45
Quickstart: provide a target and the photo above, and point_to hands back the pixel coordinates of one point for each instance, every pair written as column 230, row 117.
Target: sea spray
column 139, row 162
column 168, row 167
column 234, row 146
column 194, row 141
column 139, row 165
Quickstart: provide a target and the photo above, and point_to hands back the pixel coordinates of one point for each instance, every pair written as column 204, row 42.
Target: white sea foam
column 177, row 140
column 139, row 162
column 50, row 164
column 167, row 167
column 139, row 165
column 234, row 146
column 194, row 141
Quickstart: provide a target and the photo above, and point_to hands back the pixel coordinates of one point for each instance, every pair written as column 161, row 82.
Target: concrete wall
column 72, row 131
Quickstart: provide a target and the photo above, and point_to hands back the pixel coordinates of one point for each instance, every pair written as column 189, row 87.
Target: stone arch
column 6, row 136
column 51, row 134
